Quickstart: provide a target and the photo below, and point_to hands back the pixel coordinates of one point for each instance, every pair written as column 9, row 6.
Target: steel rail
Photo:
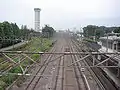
column 53, row 81
column 45, row 67
column 45, row 61
column 102, row 78
column 62, row 81
column 57, row 74
column 83, row 77
column 79, row 48
column 27, row 68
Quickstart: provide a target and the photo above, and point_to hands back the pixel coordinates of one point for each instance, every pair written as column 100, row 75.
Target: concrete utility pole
column 107, row 44
column 37, row 19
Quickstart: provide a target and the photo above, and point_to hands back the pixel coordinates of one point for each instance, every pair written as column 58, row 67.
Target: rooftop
column 111, row 38
column 37, row 9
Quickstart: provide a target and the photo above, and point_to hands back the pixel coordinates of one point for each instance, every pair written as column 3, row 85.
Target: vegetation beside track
column 89, row 40
column 34, row 46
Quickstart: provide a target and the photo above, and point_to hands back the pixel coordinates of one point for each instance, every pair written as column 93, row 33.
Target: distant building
column 37, row 19
column 113, row 42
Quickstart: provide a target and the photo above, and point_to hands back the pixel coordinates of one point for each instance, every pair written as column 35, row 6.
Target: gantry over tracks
column 87, row 54
column 61, row 56
column 63, row 70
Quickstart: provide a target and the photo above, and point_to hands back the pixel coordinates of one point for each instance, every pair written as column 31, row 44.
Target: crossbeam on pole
column 65, row 53
column 109, row 58
column 29, row 58
column 20, row 74
column 79, row 60
column 9, row 58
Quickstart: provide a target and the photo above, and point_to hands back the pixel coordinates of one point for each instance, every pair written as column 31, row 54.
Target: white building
column 37, row 19
column 113, row 43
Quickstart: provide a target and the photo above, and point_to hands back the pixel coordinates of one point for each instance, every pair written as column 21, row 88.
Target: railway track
column 22, row 59
column 44, row 71
column 71, row 78
column 55, row 84
column 80, row 78
column 102, row 80
column 54, row 72
column 39, row 74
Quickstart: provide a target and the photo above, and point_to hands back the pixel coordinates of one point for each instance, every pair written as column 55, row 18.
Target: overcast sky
column 62, row 14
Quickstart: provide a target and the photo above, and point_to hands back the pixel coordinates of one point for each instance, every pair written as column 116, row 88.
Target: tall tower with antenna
column 37, row 19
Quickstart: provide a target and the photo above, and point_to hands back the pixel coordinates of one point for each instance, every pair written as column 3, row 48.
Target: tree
column 24, row 32
column 16, row 31
column 1, row 30
column 47, row 31
column 92, row 30
column 117, row 30
column 7, row 28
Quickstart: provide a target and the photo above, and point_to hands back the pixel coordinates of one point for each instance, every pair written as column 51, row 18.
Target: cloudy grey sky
column 62, row 14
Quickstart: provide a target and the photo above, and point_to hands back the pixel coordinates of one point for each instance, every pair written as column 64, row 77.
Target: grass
column 88, row 40
column 34, row 46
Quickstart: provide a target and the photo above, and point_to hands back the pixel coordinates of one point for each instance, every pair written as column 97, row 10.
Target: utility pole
column 95, row 35
column 107, row 44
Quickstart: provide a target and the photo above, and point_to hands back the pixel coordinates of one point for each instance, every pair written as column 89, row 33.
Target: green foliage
column 88, row 40
column 2, row 85
column 16, row 70
column 33, row 45
column 6, row 80
column 35, row 56
column 2, row 66
column 47, row 31
column 89, row 30
column 12, row 32
column 8, row 30
column 117, row 30
column 92, row 30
